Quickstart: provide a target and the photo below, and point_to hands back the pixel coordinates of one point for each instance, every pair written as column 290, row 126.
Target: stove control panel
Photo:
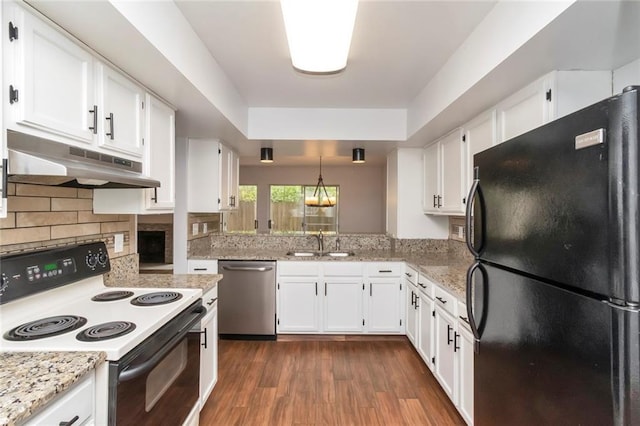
column 30, row 273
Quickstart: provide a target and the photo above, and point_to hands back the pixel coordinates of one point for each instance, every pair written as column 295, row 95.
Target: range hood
column 41, row 161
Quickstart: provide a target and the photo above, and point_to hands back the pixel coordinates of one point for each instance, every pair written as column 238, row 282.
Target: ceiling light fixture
column 358, row 155
column 319, row 200
column 266, row 155
column 319, row 33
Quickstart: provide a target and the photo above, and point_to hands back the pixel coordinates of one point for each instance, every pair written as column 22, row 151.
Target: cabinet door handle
column 316, row 289
column 435, row 197
column 449, row 339
column 413, row 300
column 5, row 178
column 416, row 306
column 204, row 333
column 110, row 118
column 441, row 300
column 94, row 111
column 455, row 342
column 325, row 289
column 155, row 195
column 70, row 422
column 439, row 201
column 370, row 289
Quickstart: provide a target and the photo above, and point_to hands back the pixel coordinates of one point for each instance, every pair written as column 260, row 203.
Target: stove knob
column 102, row 258
column 92, row 260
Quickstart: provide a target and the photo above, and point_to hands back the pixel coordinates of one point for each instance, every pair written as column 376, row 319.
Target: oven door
column 158, row 381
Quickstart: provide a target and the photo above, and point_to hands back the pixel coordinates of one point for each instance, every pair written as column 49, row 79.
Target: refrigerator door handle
column 472, row 320
column 469, row 211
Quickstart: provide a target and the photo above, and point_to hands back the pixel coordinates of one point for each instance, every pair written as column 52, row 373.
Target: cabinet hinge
column 464, row 200
column 218, row 200
column 278, row 321
column 433, row 313
column 433, row 360
column 13, row 32
column 219, row 151
column 363, row 322
column 278, row 286
column 142, row 104
column 142, row 141
column 464, row 138
column 13, row 94
column 362, row 286
column 400, row 286
column 548, row 95
column 400, row 322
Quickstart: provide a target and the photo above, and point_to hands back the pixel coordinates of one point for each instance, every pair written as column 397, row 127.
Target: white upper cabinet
column 159, row 164
column 121, row 118
column 550, row 97
column 445, row 175
column 51, row 81
column 212, row 176
column 480, row 134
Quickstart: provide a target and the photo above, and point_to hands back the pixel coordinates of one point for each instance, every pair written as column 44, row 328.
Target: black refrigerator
column 554, row 293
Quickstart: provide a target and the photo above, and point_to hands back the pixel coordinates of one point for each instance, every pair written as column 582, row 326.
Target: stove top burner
column 112, row 295
column 45, row 327
column 108, row 330
column 157, row 298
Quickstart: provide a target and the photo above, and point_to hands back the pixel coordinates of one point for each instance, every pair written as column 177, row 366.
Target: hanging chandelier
column 319, row 199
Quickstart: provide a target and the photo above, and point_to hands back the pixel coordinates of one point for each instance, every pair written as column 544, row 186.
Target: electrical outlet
column 118, row 243
column 194, row 229
column 204, row 228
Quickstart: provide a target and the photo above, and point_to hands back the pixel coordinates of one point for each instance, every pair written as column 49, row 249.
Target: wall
column 48, row 216
column 626, row 75
column 362, row 191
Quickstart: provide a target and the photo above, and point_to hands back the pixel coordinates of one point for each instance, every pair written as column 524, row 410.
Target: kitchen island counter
column 29, row 380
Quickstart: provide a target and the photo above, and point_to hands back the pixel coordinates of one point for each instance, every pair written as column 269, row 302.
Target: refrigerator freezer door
column 544, row 355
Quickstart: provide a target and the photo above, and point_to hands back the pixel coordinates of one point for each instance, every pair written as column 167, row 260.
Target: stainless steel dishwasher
column 247, row 300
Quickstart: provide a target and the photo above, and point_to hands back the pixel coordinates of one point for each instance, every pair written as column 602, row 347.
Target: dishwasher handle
column 248, row 268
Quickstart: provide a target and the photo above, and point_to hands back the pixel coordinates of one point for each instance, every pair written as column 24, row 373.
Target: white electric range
column 55, row 300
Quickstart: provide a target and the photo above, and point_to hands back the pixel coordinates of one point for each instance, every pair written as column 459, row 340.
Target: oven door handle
column 136, row 370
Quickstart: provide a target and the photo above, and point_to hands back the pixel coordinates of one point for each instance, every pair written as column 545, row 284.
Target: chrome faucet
column 320, row 239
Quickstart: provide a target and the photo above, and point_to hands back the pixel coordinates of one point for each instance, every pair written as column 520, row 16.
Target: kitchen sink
column 339, row 253
column 303, row 253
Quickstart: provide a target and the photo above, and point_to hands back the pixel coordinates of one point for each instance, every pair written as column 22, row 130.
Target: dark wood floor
column 326, row 380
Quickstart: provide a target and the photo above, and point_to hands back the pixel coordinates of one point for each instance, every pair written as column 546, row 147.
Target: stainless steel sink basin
column 339, row 253
column 302, row 253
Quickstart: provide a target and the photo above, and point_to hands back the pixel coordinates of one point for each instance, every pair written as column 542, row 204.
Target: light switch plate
column 118, row 243
column 194, row 229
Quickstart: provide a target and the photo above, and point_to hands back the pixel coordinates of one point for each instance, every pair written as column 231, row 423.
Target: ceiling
column 398, row 47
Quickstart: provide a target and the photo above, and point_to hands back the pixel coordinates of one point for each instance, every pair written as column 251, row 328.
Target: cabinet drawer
column 445, row 300
column 425, row 286
column 77, row 401
column 299, row 269
column 342, row 269
column 463, row 318
column 209, row 298
column 384, row 269
column 411, row 274
column 202, row 266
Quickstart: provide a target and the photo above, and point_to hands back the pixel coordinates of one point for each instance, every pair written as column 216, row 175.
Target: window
column 243, row 220
column 290, row 215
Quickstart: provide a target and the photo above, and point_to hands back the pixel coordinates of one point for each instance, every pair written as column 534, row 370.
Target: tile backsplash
column 41, row 217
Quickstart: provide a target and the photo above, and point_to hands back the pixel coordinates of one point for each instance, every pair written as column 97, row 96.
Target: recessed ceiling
column 396, row 49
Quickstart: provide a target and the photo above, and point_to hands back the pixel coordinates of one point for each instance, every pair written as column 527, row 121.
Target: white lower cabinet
column 426, row 318
column 445, row 362
column 340, row 297
column 298, row 305
column 202, row 266
column 209, row 346
column 411, row 326
column 465, row 377
column 74, row 405
column 343, row 305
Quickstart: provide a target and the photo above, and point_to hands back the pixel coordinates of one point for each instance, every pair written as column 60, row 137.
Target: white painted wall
column 180, row 212
column 626, row 75
column 405, row 218
column 328, row 124
column 362, row 192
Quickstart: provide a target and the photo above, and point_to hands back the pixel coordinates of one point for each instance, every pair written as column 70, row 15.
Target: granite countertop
column 203, row 281
column 441, row 268
column 29, row 380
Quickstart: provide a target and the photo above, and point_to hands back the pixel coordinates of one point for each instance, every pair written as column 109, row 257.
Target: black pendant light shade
column 266, row 155
column 358, row 155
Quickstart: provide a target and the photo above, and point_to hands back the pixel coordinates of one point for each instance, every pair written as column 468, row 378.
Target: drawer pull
column 385, row 271
column 441, row 300
column 408, row 274
column 421, row 285
column 212, row 301
column 70, row 422
column 199, row 269
column 465, row 319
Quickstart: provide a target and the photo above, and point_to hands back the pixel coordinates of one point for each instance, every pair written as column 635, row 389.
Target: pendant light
column 318, row 200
